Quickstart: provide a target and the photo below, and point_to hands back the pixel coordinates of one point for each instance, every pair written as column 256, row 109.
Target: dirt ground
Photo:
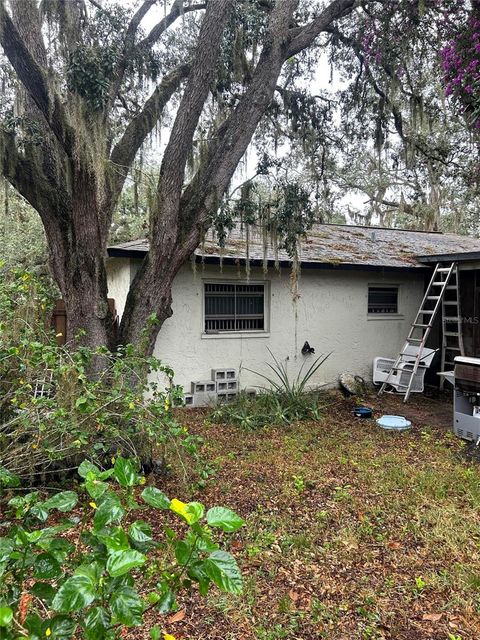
column 351, row 532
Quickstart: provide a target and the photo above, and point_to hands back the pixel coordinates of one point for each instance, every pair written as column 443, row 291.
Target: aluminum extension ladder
column 433, row 300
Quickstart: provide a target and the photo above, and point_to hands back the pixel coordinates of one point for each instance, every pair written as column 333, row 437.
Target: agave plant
column 280, row 381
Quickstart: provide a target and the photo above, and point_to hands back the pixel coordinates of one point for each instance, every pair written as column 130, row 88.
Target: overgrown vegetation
column 53, row 414
column 80, row 574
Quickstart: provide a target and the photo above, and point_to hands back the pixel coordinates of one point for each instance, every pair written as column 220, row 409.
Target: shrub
column 101, row 569
column 53, row 414
column 283, row 402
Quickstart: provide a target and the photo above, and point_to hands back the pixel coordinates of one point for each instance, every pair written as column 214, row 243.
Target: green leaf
column 166, row 602
column 87, row 467
column 6, row 616
column 96, row 488
column 125, row 472
column 64, row 501
column 46, row 567
column 75, row 593
column 140, row 533
column 224, row 519
column 7, row 478
column 6, row 548
column 126, row 606
column 183, row 552
column 109, row 510
column 44, row 591
column 62, row 628
column 114, row 539
column 221, row 567
column 194, row 512
column 155, row 633
column 155, row 498
column 121, row 562
column 39, row 511
column 95, row 623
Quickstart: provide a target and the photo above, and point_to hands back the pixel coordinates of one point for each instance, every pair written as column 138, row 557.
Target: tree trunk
column 78, row 249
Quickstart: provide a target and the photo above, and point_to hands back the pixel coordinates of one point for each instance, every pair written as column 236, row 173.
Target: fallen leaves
column 177, row 617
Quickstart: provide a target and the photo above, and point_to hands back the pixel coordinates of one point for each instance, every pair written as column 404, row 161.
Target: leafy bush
column 53, row 414
column 101, row 569
column 282, row 402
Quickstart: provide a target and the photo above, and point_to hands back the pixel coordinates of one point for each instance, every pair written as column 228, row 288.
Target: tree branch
column 302, row 37
column 25, row 173
column 177, row 10
column 234, row 136
column 124, row 152
column 172, row 171
column 128, row 46
column 33, row 77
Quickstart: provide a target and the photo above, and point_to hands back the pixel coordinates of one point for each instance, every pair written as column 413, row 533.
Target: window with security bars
column 382, row 300
column 234, row 307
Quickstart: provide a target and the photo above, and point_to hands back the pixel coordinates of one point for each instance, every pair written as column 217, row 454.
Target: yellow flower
column 93, row 505
column 34, row 446
column 131, row 405
column 143, row 480
column 168, row 636
column 113, row 459
column 48, row 632
column 167, row 404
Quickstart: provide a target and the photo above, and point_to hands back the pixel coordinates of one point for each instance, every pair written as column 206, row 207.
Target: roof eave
column 114, row 252
column 466, row 256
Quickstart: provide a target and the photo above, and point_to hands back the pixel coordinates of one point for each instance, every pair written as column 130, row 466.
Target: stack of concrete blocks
column 221, row 388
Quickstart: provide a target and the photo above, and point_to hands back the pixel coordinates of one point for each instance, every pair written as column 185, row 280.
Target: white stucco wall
column 118, row 280
column 331, row 314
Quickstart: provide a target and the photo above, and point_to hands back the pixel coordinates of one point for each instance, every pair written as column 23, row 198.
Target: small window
column 382, row 300
column 234, row 307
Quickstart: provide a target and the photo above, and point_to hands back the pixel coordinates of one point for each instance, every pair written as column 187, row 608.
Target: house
column 358, row 293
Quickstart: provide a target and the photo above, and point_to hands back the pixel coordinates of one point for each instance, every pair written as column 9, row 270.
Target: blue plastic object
column 363, row 412
column 394, row 423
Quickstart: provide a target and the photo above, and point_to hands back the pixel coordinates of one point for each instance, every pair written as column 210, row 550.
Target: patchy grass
column 352, row 532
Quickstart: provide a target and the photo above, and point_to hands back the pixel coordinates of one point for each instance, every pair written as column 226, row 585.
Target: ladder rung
column 451, row 333
column 416, row 339
column 447, row 348
column 438, row 284
column 451, row 287
column 423, row 326
column 443, row 269
column 433, row 297
column 430, row 311
column 455, row 302
column 450, row 319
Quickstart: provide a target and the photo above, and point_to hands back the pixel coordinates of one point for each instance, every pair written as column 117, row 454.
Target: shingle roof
column 328, row 244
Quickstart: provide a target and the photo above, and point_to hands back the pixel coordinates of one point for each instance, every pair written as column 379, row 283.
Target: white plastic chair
column 400, row 377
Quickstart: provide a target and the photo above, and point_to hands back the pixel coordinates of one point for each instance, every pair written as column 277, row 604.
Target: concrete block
column 250, row 391
column 227, row 385
column 204, row 386
column 223, row 397
column 220, row 375
column 208, row 399
column 188, row 400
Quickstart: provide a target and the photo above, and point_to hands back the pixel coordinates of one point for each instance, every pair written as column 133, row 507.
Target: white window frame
column 244, row 333
column 385, row 316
